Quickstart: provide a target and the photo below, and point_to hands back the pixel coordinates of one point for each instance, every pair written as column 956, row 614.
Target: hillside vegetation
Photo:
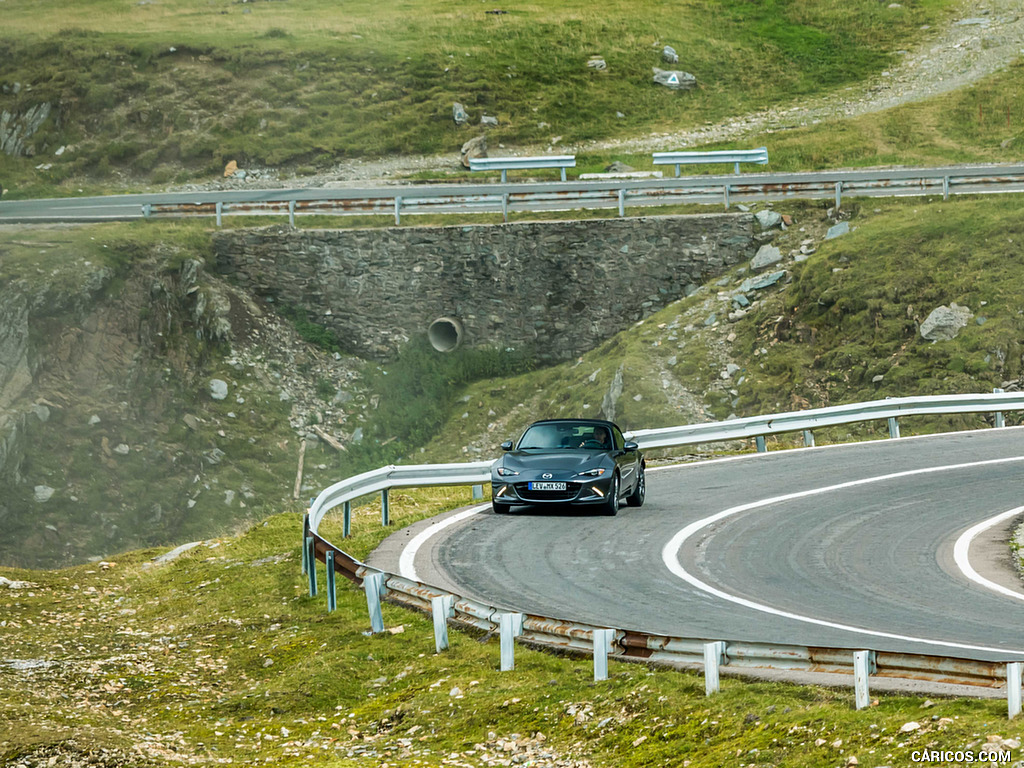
column 158, row 92
column 220, row 657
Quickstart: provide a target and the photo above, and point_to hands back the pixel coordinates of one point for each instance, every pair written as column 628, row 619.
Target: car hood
column 568, row 461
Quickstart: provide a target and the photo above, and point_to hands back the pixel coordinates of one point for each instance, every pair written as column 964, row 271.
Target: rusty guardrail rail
column 503, row 198
column 626, row 644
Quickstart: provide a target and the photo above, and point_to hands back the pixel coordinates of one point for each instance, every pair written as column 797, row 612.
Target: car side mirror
column 507, row 445
column 631, row 446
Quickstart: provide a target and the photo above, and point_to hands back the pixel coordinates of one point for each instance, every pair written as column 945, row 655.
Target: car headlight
column 597, row 472
column 505, row 472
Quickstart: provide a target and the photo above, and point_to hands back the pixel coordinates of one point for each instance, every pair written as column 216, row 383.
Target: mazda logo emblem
column 547, row 475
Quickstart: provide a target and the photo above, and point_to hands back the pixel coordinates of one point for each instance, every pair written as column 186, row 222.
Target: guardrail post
column 510, row 626
column 504, row 175
column 622, row 202
column 441, row 610
column 147, row 209
column 398, row 210
column 346, row 525
column 894, row 427
column 332, row 592
column 839, row 194
column 762, row 446
column 220, row 210
column 1013, row 688
column 478, row 492
column 861, row 670
column 311, row 559
column 808, row 438
column 504, row 204
column 563, row 173
column 677, row 170
column 727, row 197
column 373, row 585
column 305, row 548
column 945, row 187
column 602, row 645
column 1000, row 419
column 714, row 657
column 385, row 508
column 291, row 213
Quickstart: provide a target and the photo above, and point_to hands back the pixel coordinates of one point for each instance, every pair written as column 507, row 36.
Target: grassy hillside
column 221, row 658
column 158, row 92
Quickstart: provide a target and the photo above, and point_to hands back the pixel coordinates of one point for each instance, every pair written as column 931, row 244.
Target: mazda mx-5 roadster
column 569, row 461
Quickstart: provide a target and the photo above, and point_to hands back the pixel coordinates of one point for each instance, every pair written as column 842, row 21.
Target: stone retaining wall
column 558, row 287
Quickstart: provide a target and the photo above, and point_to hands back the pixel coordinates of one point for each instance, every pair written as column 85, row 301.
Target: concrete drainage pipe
column 445, row 334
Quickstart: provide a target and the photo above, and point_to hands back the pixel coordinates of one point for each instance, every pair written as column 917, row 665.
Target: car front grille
column 571, row 491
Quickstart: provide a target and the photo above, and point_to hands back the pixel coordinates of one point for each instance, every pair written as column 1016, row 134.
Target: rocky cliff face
column 23, row 306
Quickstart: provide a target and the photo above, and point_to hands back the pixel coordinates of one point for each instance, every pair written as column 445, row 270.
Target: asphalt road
column 486, row 197
column 877, row 556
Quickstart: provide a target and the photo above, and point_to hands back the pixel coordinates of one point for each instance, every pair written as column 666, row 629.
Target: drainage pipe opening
column 445, row 334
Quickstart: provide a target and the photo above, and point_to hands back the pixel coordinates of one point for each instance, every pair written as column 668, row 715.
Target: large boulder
column 944, row 323
column 475, row 147
column 674, row 79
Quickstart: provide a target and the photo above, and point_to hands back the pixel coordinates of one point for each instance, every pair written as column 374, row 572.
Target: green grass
column 301, row 84
column 222, row 656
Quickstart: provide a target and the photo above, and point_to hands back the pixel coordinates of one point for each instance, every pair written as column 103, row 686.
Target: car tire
column 636, row 497
column 611, row 507
column 500, row 509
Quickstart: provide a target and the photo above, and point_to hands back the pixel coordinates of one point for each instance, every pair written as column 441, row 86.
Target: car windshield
column 566, row 437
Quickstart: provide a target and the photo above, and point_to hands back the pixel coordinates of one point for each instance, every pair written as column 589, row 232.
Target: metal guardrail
column 627, row 644
column 891, row 409
column 614, row 194
column 734, row 156
column 506, row 164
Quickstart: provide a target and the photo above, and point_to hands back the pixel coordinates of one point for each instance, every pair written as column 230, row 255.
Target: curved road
column 876, row 555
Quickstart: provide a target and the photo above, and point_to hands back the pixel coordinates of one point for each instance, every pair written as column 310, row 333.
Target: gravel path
column 983, row 37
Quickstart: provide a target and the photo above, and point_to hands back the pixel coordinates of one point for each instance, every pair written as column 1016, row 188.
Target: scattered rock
column 618, row 167
column 669, row 55
column 768, row 219
column 94, row 420
column 459, row 114
column 230, row 169
column 41, row 412
column 218, row 389
column 475, row 147
column 674, row 79
column 122, row 449
column 43, row 493
column 488, row 120
column 910, row 727
column 766, row 256
column 836, row 230
column 596, row 62
column 944, row 323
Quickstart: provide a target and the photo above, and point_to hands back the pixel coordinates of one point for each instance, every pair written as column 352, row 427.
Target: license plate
column 547, row 486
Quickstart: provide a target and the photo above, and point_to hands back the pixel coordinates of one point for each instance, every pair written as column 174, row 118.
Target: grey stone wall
column 559, row 287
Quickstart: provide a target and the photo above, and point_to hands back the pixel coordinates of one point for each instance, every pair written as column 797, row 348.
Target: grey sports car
column 569, row 461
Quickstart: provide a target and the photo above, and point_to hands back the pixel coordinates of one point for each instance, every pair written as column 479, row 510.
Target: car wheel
column 611, row 507
column 499, row 508
column 636, row 498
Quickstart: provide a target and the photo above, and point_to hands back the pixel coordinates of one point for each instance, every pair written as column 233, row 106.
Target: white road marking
column 670, row 555
column 962, row 548
column 407, row 561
